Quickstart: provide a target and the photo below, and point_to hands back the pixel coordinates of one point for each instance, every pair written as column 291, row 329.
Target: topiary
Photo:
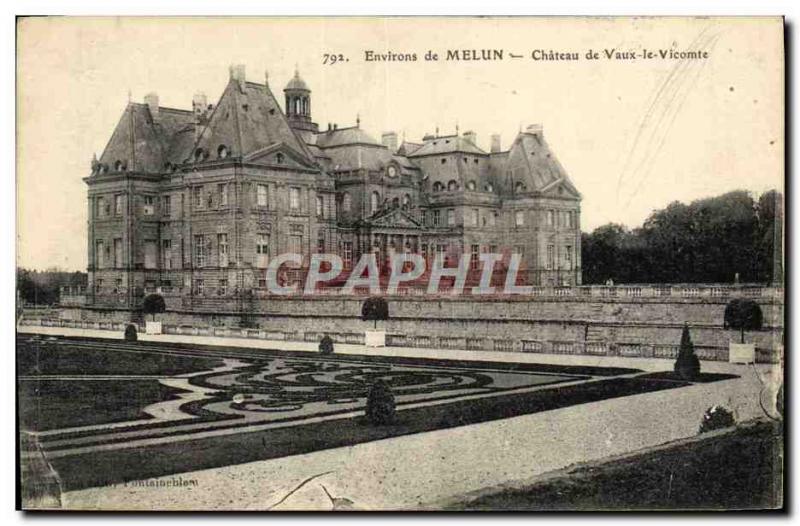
column 375, row 308
column 326, row 345
column 130, row 333
column 716, row 417
column 380, row 404
column 154, row 304
column 687, row 365
column 743, row 315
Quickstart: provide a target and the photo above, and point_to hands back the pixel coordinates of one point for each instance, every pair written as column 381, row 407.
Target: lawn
column 62, row 357
column 737, row 470
column 46, row 404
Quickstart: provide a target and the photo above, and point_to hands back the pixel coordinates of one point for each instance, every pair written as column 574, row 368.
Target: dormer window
column 199, row 155
column 452, row 185
column 118, row 166
column 519, row 187
column 222, row 151
column 471, row 185
column 489, row 188
column 437, row 186
column 279, row 158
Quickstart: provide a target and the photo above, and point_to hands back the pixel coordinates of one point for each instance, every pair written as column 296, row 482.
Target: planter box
column 152, row 327
column 742, row 353
column 375, row 338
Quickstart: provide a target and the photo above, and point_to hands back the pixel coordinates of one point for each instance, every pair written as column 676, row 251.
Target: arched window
column 222, row 151
column 199, row 155
column 374, row 201
column 279, row 158
column 118, row 166
column 346, row 202
column 437, row 186
column 452, row 185
column 471, row 185
column 396, row 202
column 489, row 187
column 406, row 201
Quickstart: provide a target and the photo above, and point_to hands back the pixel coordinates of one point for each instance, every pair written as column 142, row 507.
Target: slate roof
column 344, row 137
column 248, row 118
column 144, row 144
column 446, row 144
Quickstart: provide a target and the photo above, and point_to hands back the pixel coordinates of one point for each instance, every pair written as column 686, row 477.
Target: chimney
column 151, row 99
column 495, row 143
column 389, row 139
column 237, row 74
column 199, row 104
column 535, row 129
column 471, row 136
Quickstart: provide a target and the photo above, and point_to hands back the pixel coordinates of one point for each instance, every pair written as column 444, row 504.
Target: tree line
column 43, row 287
column 707, row 241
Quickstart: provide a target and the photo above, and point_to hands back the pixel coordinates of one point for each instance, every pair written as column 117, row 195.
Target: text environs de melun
column 485, row 55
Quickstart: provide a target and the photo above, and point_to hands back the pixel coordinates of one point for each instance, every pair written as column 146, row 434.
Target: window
column 198, row 196
column 150, row 261
column 199, row 287
column 550, row 214
column 474, row 259
column 294, row 198
column 451, row 217
column 166, row 205
column 222, row 151
column 346, row 202
column 222, row 249
column 262, row 250
column 493, row 249
column 279, row 158
column 492, row 218
column 396, row 202
column 441, row 248
column 488, row 187
column 470, row 184
column 222, row 194
column 406, row 201
column 444, row 160
column 437, row 186
column 261, row 195
column 551, row 257
column 568, row 257
column 118, row 285
column 262, row 280
column 519, row 187
column 222, row 289
column 452, row 186
column 118, row 205
column 519, row 218
column 296, row 244
column 437, row 217
column 473, row 217
column 200, row 251
column 374, row 202
column 347, row 254
column 320, row 206
column 166, row 254
column 149, row 205
column 118, row 253
column 99, row 253
column 571, row 219
column 321, row 242
column 100, row 210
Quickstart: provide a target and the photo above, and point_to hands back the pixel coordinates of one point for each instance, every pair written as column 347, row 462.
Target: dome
column 297, row 83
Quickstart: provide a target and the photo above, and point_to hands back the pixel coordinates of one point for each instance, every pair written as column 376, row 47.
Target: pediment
column 561, row 188
column 278, row 154
column 396, row 218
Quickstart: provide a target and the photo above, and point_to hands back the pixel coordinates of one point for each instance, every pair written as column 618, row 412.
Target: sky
column 633, row 135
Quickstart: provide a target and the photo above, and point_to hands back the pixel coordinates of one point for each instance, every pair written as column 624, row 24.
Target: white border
column 326, row 8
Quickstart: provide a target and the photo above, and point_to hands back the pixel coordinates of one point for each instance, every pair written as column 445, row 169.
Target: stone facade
column 195, row 203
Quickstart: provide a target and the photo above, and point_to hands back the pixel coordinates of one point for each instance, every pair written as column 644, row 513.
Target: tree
column 744, row 315
column 380, row 404
column 326, row 345
column 687, row 366
column 375, row 308
column 130, row 333
column 154, row 304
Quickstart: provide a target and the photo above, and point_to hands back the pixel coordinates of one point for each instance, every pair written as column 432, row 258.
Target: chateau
column 194, row 203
